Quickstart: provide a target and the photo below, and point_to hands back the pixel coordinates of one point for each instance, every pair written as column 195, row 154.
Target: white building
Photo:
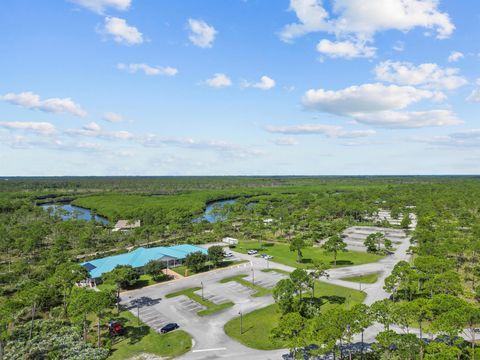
column 230, row 241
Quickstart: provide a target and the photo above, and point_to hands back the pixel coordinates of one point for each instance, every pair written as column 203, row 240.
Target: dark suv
column 169, row 327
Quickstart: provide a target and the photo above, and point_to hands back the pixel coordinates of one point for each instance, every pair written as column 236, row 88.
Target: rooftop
column 140, row 257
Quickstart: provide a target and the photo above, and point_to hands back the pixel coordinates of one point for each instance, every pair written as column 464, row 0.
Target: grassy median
column 241, row 279
column 211, row 307
column 140, row 339
column 258, row 324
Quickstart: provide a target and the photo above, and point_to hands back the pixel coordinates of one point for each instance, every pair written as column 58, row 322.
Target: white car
column 252, row 252
column 228, row 255
column 268, row 257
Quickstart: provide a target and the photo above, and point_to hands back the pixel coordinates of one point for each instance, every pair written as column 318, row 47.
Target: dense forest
column 40, row 252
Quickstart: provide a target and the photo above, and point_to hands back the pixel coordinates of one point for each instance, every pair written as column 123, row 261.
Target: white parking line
column 202, row 350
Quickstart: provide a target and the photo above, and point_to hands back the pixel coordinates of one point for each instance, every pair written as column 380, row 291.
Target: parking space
column 268, row 280
column 212, row 297
column 153, row 318
column 238, row 288
column 187, row 304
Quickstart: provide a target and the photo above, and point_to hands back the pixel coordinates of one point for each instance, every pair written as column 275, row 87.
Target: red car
column 115, row 328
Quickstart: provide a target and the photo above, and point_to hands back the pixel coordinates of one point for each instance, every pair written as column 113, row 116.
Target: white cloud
column 94, row 130
column 378, row 105
column 455, row 56
column 99, row 6
column 40, row 128
column 474, row 96
column 93, row 126
column 265, row 83
column 120, row 135
column 201, row 34
column 462, row 139
column 362, row 19
column 148, row 70
column 112, row 117
column 333, row 131
column 408, row 119
column 121, row 31
column 31, row 100
column 366, row 98
column 219, row 80
column 312, row 16
column 225, row 148
column 345, row 49
column 285, row 141
column 426, row 75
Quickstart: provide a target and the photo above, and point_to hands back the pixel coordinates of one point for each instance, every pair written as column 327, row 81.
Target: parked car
column 228, row 255
column 252, row 252
column 115, row 328
column 169, row 327
column 268, row 257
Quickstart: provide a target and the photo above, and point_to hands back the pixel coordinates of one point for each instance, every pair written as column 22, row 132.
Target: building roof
column 127, row 224
column 140, row 257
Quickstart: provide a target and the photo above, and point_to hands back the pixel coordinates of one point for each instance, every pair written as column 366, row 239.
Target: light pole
column 241, row 322
column 202, row 289
column 253, row 276
column 267, row 263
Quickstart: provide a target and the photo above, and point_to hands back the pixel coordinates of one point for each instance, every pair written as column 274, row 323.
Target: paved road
column 210, row 341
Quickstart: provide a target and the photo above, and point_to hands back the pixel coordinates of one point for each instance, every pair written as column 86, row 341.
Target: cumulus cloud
column 285, row 141
column 360, row 20
column 333, row 131
column 99, row 6
column 408, row 119
column 426, row 75
column 379, row 105
column 364, row 18
column 312, row 18
column 474, row 96
column 455, row 56
column 366, row 98
column 148, row 70
column 112, row 117
column 40, row 128
column 345, row 49
column 219, row 80
column 33, row 101
column 201, row 34
column 265, row 83
column 121, row 31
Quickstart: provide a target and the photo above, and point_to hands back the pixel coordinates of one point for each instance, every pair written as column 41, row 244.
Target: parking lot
column 210, row 341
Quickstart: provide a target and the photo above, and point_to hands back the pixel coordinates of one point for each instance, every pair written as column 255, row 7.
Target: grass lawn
column 210, row 306
column 143, row 280
column 258, row 324
column 259, row 290
column 142, row 339
column 365, row 279
column 282, row 254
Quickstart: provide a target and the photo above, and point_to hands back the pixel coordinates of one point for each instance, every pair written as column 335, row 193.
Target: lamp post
column 253, row 276
column 241, row 322
column 202, row 289
column 267, row 263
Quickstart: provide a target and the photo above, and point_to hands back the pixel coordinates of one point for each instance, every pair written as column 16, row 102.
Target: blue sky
column 239, row 87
